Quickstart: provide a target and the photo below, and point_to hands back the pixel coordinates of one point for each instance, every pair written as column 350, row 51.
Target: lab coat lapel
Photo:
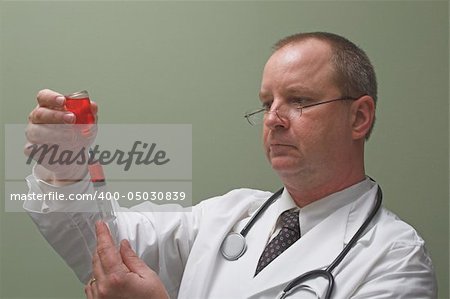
column 257, row 240
column 316, row 249
column 361, row 209
column 202, row 265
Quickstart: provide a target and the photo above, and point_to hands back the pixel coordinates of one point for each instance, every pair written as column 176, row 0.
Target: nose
column 274, row 119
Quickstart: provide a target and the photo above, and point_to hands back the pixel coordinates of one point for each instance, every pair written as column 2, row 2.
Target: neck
column 304, row 194
column 306, row 187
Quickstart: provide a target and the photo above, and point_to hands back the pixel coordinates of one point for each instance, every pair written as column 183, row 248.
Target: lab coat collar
column 318, row 248
column 314, row 213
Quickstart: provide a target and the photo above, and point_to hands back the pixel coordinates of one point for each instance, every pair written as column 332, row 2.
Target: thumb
column 131, row 260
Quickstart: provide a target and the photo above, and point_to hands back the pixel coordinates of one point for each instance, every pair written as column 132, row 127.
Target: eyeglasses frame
column 249, row 114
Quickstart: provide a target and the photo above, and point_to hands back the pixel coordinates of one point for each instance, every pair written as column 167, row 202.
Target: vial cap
column 78, row 95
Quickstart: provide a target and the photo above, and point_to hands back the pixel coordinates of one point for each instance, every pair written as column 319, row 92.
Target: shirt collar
column 314, row 213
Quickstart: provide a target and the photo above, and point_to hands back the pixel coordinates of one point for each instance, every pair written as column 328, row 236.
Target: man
column 318, row 94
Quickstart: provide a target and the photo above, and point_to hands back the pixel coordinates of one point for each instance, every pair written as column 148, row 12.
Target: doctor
column 318, row 97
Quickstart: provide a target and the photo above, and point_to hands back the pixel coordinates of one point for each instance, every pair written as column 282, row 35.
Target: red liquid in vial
column 81, row 107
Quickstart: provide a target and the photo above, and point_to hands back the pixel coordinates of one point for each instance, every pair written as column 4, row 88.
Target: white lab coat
column 389, row 261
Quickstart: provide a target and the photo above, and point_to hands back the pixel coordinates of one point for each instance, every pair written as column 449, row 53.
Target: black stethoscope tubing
column 260, row 211
column 325, row 273
column 234, row 245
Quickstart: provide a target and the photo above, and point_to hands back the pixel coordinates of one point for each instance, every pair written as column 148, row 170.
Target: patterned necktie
column 289, row 233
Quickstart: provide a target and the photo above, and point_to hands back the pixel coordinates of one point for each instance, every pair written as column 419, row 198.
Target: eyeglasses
column 287, row 111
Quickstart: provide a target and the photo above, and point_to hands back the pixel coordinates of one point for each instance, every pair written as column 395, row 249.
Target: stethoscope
column 234, row 246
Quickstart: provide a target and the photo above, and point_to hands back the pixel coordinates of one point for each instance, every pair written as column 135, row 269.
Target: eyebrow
column 292, row 90
column 302, row 90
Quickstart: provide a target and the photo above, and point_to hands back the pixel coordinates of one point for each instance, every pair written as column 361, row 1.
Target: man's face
column 314, row 145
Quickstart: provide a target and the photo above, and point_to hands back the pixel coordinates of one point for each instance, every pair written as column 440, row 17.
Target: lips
column 280, row 143
column 280, row 146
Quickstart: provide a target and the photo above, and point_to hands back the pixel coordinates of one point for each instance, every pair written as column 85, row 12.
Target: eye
column 266, row 105
column 299, row 102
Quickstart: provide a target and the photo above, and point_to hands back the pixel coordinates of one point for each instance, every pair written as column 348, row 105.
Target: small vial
column 80, row 104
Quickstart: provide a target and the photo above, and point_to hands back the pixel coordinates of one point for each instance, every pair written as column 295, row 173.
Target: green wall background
column 200, row 63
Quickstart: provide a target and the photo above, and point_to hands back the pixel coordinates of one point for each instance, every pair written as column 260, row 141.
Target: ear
column 362, row 116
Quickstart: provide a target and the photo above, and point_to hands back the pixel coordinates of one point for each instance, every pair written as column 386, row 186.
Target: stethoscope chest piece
column 234, row 246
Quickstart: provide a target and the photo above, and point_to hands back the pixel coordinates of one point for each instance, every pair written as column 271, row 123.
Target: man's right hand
column 50, row 124
column 120, row 273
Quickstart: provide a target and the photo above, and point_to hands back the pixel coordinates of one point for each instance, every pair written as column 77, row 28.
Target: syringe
column 98, row 180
